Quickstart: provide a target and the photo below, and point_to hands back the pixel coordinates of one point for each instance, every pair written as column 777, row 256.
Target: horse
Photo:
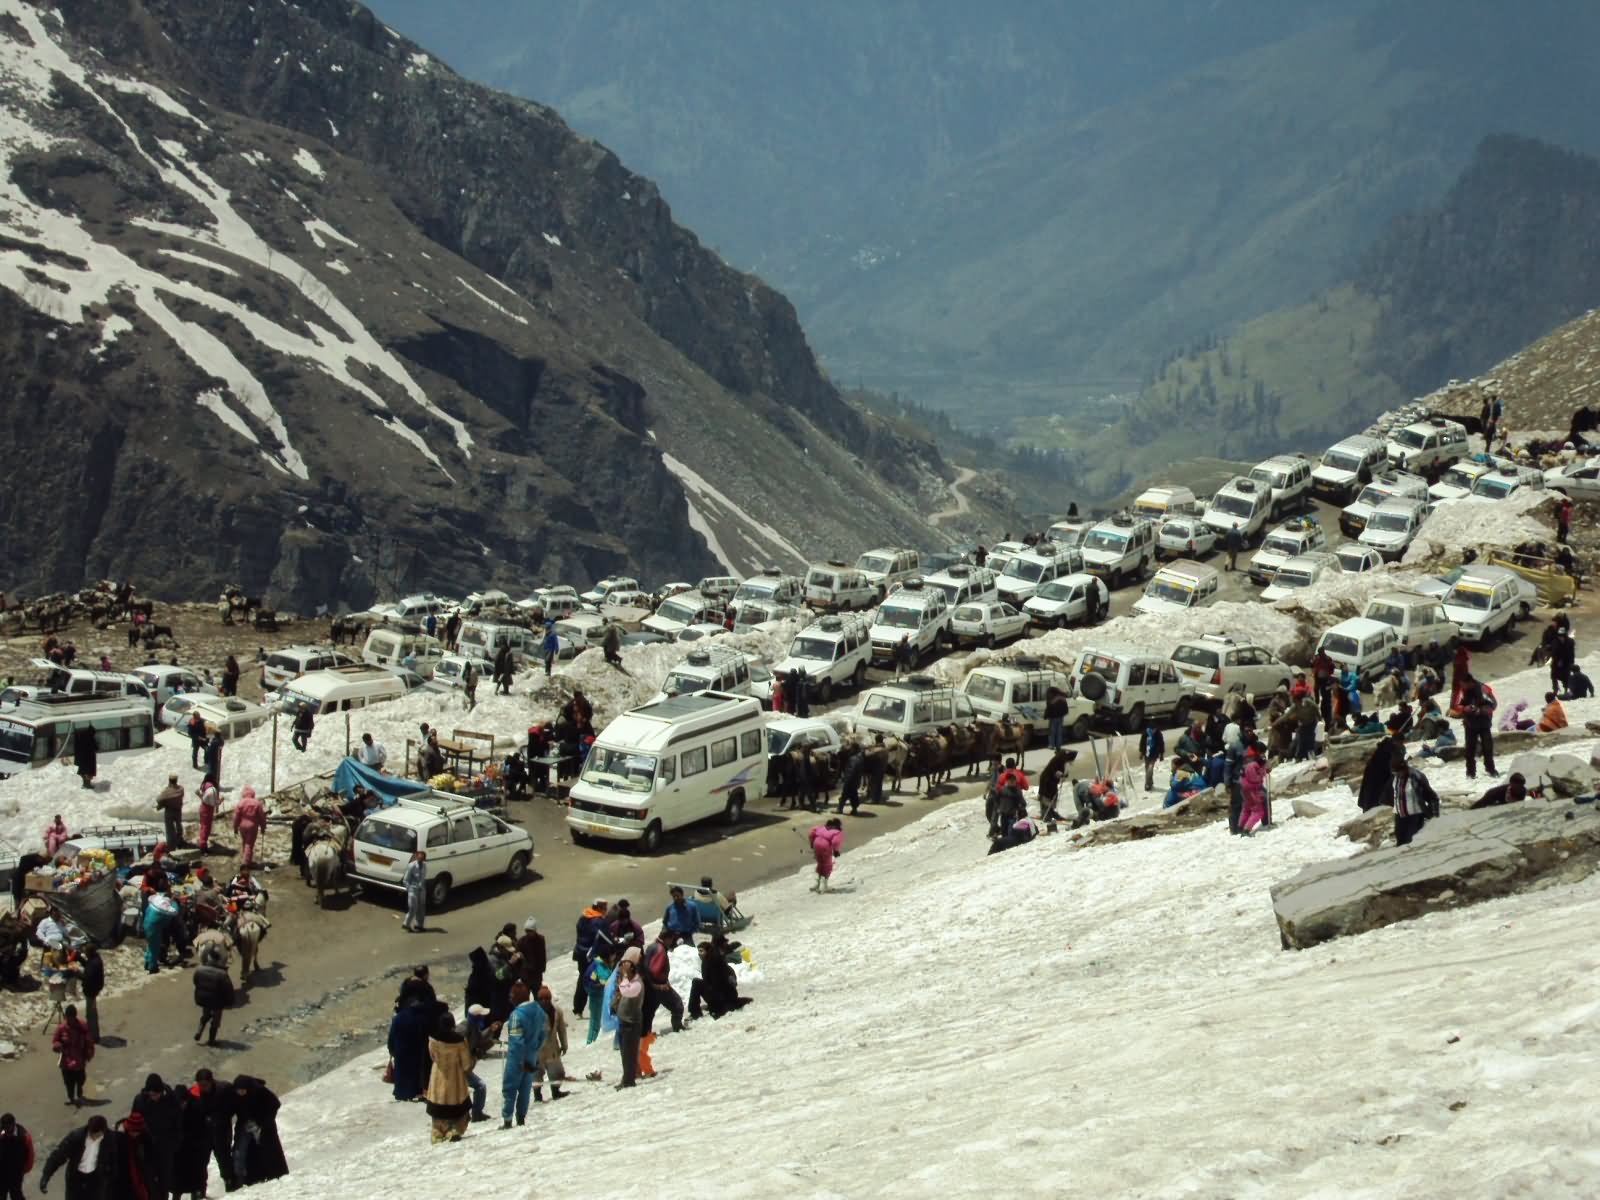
column 249, row 927
column 214, row 947
column 325, row 858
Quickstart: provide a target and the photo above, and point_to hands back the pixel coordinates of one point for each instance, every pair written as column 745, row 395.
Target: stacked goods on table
column 88, row 867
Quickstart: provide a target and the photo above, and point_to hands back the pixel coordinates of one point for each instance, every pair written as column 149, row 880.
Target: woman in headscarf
column 627, row 1005
column 449, row 1094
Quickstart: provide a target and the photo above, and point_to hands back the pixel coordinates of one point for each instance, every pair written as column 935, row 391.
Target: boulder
column 1560, row 775
column 1305, row 808
column 1373, row 827
column 1347, row 756
column 1460, row 858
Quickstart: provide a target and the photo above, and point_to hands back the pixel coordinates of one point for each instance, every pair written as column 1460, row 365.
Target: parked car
column 1063, row 601
column 1299, row 535
column 986, row 623
column 164, row 681
column 1394, row 525
column 1488, row 600
column 464, row 845
column 1428, row 443
column 1215, row 664
column 1179, row 586
column 1241, row 504
column 1185, row 537
column 1355, row 559
column 1288, row 479
column 1347, row 467
column 1133, row 684
column 1297, row 573
column 1580, row 480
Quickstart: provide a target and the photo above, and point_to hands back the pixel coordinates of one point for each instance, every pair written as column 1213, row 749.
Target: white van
column 1070, row 533
column 1299, row 572
column 1133, row 684
column 415, row 609
column 478, row 602
column 916, row 612
column 771, row 588
column 834, row 651
column 1288, row 476
column 1298, row 535
column 1168, row 500
column 1360, row 643
column 37, row 732
column 915, row 704
column 667, row 764
column 1486, row 600
column 392, row 647
column 80, row 681
column 451, row 670
column 1029, row 571
column 1428, row 443
column 464, row 845
column 340, row 689
column 886, row 568
column 718, row 587
column 834, row 587
column 1394, row 525
column 712, row 669
column 1119, row 549
column 1356, row 559
column 677, row 613
column 1002, row 553
column 1064, row 600
column 164, row 681
column 293, row 661
column 228, row 715
column 1179, row 586
column 1017, row 691
column 1240, row 504
column 1392, row 485
column 1418, row 619
column 596, row 595
column 484, row 639
column 963, row 583
column 1347, row 467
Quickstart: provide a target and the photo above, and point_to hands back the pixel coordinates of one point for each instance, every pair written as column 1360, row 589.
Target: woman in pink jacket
column 249, row 815
column 1253, row 783
column 827, row 843
column 55, row 836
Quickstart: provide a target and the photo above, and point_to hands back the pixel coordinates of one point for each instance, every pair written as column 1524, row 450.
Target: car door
column 460, row 854
column 494, row 838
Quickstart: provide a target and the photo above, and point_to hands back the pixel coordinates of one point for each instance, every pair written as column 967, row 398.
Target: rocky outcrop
column 1193, row 811
column 1460, row 858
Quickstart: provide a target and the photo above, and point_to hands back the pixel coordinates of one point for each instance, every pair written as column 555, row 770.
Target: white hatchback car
column 1185, row 537
column 986, row 624
column 1580, row 480
column 463, row 845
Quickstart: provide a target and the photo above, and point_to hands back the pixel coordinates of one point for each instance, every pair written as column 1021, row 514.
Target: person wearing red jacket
column 16, row 1157
column 249, row 815
column 658, row 989
column 74, row 1046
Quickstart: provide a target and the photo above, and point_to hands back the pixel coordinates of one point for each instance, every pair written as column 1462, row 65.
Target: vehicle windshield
column 896, row 617
column 375, row 831
column 1353, row 560
column 752, row 614
column 1460, row 477
column 1021, row 568
column 1296, row 577
column 1270, row 477
column 1056, row 589
column 1466, row 595
column 474, row 637
column 1495, row 487
column 1340, row 644
column 1170, row 590
column 1392, row 522
column 950, row 590
column 875, row 563
column 1389, row 614
column 820, row 579
column 1342, row 460
column 16, row 741
column 882, row 706
column 1066, row 535
column 681, row 613
column 1281, row 544
column 985, row 687
column 778, row 742
column 1373, row 495
column 1234, row 506
column 813, row 648
column 1197, row 656
column 1102, row 539
column 290, row 698
column 623, row 770
column 680, row 683
column 1410, row 438
column 756, row 590
column 1176, row 529
column 968, row 612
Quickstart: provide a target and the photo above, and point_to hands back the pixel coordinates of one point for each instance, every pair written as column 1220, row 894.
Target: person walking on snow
column 551, row 1069
column 526, row 1031
column 214, row 756
column 1253, row 784
column 210, row 800
column 170, row 801
column 612, row 644
column 1154, row 747
column 1412, row 796
column 304, row 723
column 249, row 815
column 827, row 844
column 550, row 647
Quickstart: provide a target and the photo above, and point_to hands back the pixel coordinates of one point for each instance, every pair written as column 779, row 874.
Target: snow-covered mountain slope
column 1112, row 1021
column 277, row 279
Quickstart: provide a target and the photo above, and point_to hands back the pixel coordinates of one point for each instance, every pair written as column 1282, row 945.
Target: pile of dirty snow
column 1482, row 525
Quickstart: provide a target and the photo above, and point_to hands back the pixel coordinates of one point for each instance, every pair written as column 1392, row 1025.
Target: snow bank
column 1481, row 524
column 1136, row 995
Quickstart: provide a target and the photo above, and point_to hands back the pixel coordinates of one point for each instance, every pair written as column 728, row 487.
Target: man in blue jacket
column 526, row 1030
column 1154, row 749
column 681, row 918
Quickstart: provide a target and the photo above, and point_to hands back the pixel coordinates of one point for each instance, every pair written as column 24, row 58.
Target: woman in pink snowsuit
column 827, row 843
column 55, row 836
column 1253, row 783
column 249, row 815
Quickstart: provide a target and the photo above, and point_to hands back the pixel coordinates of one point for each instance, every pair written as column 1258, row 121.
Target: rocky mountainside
column 287, row 302
column 1511, row 252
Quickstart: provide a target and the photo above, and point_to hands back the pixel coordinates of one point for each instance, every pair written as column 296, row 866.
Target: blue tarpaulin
column 388, row 788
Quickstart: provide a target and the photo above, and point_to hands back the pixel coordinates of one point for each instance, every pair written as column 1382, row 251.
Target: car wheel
column 1134, row 721
column 517, row 869
column 1284, row 684
column 1080, row 729
column 987, row 641
column 735, row 810
column 824, row 691
column 650, row 843
column 859, row 676
column 579, row 839
column 438, row 891
column 1061, row 621
column 1180, row 714
column 1524, row 611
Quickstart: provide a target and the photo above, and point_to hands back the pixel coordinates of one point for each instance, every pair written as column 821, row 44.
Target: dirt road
column 328, row 979
column 964, row 475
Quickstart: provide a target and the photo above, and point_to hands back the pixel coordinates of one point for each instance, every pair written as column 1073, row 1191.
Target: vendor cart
column 93, row 907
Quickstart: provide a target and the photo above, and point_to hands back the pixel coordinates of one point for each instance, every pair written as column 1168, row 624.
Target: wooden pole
column 347, row 733
column 272, row 786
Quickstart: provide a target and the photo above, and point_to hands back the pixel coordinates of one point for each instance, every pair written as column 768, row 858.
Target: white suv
column 1027, row 572
column 772, row 589
column 596, row 595
column 1347, row 467
column 1353, row 517
column 885, row 569
column 463, row 845
column 1487, row 600
column 1132, row 684
column 1301, row 535
column 835, row 587
column 963, row 583
column 1500, row 483
column 1428, row 443
column 1216, row 663
column 1393, row 526
column 1580, row 480
column 294, row 661
column 834, row 651
column 1459, row 480
column 920, row 614
column 1288, row 476
column 1185, row 537
column 1120, row 549
column 1241, row 504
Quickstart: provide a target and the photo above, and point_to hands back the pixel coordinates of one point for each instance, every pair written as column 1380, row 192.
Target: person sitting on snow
column 1096, row 800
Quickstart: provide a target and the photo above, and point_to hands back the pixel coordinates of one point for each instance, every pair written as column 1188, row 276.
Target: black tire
column 1134, row 721
column 859, row 676
column 734, row 813
column 987, row 641
column 517, row 868
column 580, row 839
column 824, row 692
column 438, row 892
column 1080, row 730
column 650, row 842
column 1180, row 714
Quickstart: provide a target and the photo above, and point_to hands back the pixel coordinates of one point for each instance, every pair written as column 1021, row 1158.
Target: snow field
column 1056, row 1021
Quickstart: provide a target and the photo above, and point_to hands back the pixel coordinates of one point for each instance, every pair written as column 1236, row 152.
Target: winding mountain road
column 962, row 506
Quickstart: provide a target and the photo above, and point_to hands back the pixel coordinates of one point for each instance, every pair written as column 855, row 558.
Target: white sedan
column 987, row 624
column 1580, row 480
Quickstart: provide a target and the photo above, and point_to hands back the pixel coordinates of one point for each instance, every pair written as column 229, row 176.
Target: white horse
column 325, row 861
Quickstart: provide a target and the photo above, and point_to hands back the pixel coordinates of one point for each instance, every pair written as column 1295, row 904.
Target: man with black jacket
column 257, row 1152
column 718, row 986
column 208, row 1131
column 1477, row 718
column 16, row 1157
column 213, row 992
column 92, row 1157
column 93, row 982
column 162, row 1111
